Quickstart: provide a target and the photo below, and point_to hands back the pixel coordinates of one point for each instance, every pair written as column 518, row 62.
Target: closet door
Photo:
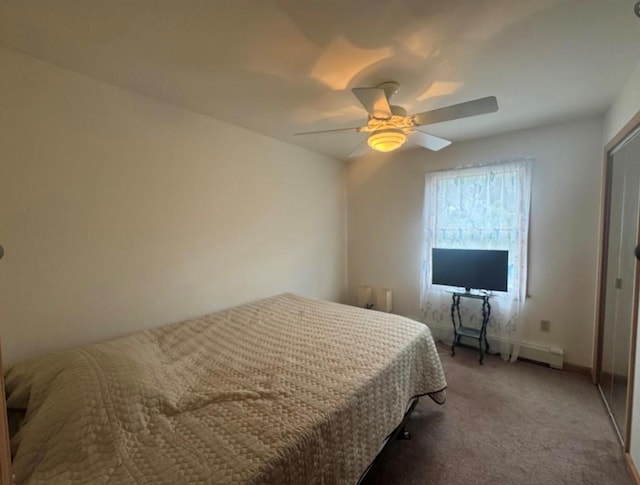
column 608, row 342
column 620, row 282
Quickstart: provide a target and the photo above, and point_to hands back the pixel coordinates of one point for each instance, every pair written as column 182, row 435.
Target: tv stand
column 460, row 330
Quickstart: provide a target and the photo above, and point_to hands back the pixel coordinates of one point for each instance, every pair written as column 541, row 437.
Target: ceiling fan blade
column 374, row 101
column 361, row 149
column 356, row 129
column 430, row 142
column 457, row 111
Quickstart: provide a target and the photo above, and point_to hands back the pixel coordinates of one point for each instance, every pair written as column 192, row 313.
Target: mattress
column 286, row 390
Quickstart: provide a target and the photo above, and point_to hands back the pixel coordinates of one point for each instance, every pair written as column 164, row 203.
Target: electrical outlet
column 545, row 325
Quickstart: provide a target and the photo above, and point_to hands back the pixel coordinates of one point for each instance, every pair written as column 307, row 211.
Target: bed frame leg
column 403, row 434
column 6, row 477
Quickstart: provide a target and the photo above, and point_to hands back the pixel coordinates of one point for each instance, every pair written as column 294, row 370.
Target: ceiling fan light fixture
column 387, row 140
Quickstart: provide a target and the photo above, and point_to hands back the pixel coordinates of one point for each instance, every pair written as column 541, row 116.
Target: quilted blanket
column 286, row 390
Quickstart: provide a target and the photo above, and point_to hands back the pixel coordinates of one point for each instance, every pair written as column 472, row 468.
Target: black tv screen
column 479, row 269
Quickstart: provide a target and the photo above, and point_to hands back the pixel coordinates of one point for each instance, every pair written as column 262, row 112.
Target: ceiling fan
column 390, row 125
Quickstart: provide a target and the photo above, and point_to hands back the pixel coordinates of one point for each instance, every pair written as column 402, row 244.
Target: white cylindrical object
column 383, row 300
column 364, row 296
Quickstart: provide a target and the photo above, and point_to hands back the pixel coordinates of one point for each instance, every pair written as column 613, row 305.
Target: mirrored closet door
column 619, row 282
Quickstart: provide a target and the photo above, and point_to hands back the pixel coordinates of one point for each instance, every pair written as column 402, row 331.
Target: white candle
column 383, row 300
column 364, row 296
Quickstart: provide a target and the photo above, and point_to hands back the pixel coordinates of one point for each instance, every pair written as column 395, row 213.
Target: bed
column 286, row 390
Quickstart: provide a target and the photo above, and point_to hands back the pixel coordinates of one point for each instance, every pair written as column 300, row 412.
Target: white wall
column 385, row 194
column 624, row 107
column 118, row 212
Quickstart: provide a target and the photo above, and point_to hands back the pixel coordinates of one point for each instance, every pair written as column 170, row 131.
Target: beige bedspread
column 286, row 390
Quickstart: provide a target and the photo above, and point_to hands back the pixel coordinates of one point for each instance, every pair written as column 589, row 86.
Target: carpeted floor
column 506, row 424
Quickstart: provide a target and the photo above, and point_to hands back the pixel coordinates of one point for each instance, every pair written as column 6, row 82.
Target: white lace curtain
column 483, row 207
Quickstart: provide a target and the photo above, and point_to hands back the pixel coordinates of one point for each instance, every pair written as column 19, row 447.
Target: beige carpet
column 506, row 424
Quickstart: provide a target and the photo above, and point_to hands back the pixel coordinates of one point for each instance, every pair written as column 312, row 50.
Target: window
column 485, row 207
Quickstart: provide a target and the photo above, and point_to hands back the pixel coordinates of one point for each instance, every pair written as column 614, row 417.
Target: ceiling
column 278, row 67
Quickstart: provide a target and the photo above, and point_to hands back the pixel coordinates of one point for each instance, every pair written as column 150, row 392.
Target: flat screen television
column 479, row 269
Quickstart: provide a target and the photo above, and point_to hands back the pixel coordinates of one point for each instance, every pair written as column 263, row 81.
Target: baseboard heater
column 553, row 356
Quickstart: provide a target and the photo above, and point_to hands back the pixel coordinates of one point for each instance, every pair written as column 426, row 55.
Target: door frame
column 605, row 204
